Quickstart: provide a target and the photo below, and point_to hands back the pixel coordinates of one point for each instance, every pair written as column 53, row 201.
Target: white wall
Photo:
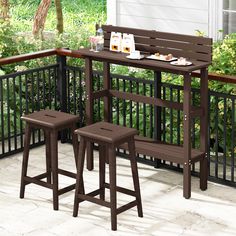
column 177, row 16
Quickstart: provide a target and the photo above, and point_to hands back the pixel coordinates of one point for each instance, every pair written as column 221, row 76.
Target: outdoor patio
column 166, row 212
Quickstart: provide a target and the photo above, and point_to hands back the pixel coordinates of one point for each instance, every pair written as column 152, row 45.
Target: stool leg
column 48, row 156
column 106, row 156
column 134, row 168
column 79, row 178
column 203, row 174
column 25, row 159
column 75, row 143
column 90, row 157
column 112, row 175
column 54, row 160
column 76, row 151
column 102, row 171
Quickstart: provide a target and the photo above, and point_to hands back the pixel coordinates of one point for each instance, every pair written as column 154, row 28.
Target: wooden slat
column 147, row 41
column 126, row 207
column 141, row 32
column 176, row 52
column 121, row 190
column 216, row 77
column 68, row 52
column 41, row 176
column 145, row 99
column 66, row 189
column 38, row 182
column 100, row 94
column 160, row 150
column 94, row 200
column 67, row 173
column 185, row 38
column 158, row 34
column 174, row 44
column 28, row 56
column 195, row 111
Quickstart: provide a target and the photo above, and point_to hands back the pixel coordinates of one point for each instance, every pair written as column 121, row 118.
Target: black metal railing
column 45, row 87
column 20, row 93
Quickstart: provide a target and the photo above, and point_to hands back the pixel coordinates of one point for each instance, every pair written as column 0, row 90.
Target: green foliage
column 224, row 56
column 7, row 45
column 80, row 17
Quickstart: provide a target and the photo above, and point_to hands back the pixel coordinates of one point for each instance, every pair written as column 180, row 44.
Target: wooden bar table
column 184, row 155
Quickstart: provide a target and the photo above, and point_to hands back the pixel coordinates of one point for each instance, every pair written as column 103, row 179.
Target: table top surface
column 120, row 58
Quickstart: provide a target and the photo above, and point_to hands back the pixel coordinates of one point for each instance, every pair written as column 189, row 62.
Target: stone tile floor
column 166, row 212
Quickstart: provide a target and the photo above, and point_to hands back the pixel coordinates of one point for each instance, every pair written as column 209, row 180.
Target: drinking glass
column 91, row 40
column 93, row 43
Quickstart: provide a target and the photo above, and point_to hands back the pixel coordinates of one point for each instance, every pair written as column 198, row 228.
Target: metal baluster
column 50, row 89
column 8, row 116
column 55, row 87
column 178, row 121
column 117, row 103
column 224, row 140
column 171, row 117
column 44, row 89
column 14, row 107
column 124, row 105
column 99, row 100
column 32, row 101
column 233, row 141
column 144, row 111
column 151, row 133
column 216, row 137
column 80, row 97
column 130, row 106
column 2, row 117
column 74, row 92
column 164, row 116
column 137, row 107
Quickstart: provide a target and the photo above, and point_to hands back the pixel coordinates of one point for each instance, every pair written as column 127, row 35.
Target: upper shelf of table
column 196, row 49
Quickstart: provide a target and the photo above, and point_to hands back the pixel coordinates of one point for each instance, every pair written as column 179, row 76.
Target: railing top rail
column 28, row 56
column 75, row 54
column 217, row 77
column 68, row 52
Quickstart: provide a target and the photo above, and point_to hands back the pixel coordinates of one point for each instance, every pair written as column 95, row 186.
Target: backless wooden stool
column 51, row 122
column 108, row 137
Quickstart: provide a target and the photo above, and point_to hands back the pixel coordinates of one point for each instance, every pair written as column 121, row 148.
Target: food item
column 181, row 61
column 164, row 57
column 169, row 56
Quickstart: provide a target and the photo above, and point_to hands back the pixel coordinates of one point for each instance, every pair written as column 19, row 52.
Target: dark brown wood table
column 183, row 155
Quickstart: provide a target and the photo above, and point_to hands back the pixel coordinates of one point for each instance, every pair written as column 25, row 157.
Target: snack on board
column 164, row 57
column 181, row 61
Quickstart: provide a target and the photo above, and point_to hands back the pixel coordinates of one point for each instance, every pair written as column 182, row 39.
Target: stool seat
column 109, row 137
column 50, row 118
column 106, row 132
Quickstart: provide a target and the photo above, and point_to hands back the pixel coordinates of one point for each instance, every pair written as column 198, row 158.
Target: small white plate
column 176, row 63
column 135, row 58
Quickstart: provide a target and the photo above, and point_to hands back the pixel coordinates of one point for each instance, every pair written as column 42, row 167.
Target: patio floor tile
column 166, row 212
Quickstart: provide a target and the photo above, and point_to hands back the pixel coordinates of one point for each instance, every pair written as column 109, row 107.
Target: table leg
column 187, row 137
column 107, row 86
column 204, row 129
column 157, row 112
column 89, row 107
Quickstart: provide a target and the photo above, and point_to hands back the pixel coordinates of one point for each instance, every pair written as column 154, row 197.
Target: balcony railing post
column 157, row 112
column 62, row 90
